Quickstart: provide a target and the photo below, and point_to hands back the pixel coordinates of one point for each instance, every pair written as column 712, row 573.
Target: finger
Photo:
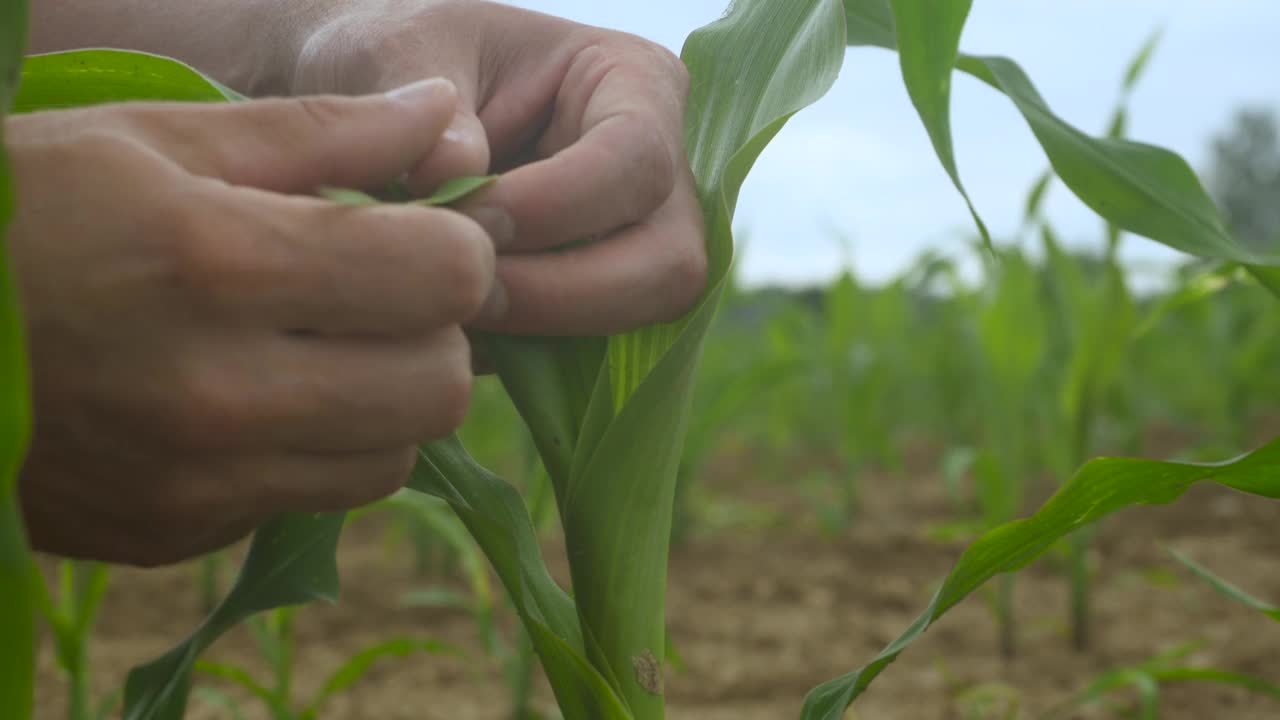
column 298, row 145
column 651, row 272
column 611, row 151
column 308, row 394
column 310, row 482
column 616, row 175
column 165, row 510
column 265, row 260
column 463, row 151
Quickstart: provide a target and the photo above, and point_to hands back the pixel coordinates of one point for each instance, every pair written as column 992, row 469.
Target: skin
column 210, row 346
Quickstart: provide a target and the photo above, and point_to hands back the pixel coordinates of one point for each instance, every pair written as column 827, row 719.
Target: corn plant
column 70, row 615
column 1138, row 188
column 1226, row 588
column 273, row 633
column 1147, row 678
column 1094, row 319
column 16, row 614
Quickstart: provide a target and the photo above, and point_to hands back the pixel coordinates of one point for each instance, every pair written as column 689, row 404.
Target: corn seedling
column 273, row 633
column 17, row 626
column 1226, row 588
column 70, row 616
column 1146, row 679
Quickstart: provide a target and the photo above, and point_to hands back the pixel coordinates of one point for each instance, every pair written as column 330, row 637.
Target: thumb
column 296, row 145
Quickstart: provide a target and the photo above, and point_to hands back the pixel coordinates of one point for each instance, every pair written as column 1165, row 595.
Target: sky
column 854, row 179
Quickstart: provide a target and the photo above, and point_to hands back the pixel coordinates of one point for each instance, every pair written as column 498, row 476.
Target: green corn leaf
column 789, row 62
column 347, row 196
column 451, row 191
column 1035, row 197
column 358, row 665
column 1203, row 285
column 870, row 23
column 1139, row 188
column 91, row 77
column 16, row 599
column 1100, row 488
column 1269, row 277
column 496, row 516
column 750, row 72
column 238, row 676
column 552, row 382
column 1226, row 588
column 1251, row 683
column 290, row 562
column 928, row 38
column 221, row 700
column 1141, row 61
column 1147, row 682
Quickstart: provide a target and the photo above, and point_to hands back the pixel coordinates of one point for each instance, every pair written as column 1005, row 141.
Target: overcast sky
column 859, row 165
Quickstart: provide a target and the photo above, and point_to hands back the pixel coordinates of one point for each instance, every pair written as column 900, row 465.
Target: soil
column 764, row 605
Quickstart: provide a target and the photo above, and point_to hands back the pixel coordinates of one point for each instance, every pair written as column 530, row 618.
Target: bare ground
column 762, row 613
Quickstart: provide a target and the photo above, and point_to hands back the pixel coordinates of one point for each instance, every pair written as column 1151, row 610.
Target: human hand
column 209, row 347
column 586, row 126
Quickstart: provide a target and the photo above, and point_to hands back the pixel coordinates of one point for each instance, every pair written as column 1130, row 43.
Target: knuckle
column 686, row 279
column 320, row 113
column 205, row 408
column 659, row 168
column 648, row 170
column 665, row 66
column 106, row 146
column 385, row 475
column 211, row 266
column 673, row 66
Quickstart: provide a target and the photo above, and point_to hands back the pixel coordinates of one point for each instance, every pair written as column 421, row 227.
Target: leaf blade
column 17, row 610
column 928, row 40
column 1101, row 487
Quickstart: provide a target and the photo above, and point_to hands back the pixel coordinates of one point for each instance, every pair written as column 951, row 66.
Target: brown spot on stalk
column 648, row 672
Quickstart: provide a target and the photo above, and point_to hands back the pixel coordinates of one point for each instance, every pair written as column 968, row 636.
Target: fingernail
column 459, row 131
column 422, row 90
column 495, row 221
column 495, row 306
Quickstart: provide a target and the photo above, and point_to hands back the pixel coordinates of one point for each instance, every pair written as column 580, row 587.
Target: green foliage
column 1224, row 587
column 1140, row 188
column 274, row 634
column 71, row 616
column 1100, row 488
column 928, row 34
column 16, row 614
column 1146, row 679
column 609, row 432
column 92, row 77
column 290, row 562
